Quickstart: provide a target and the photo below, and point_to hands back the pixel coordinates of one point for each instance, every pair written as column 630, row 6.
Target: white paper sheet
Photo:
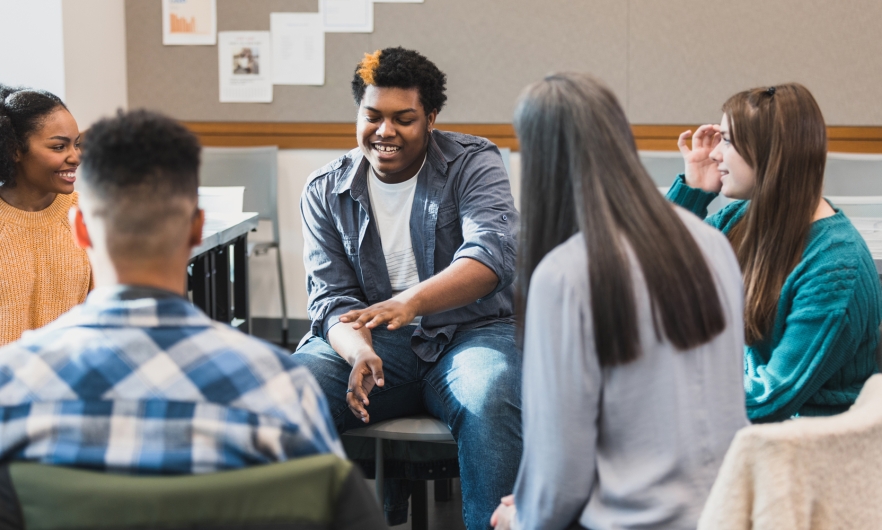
column 298, row 48
column 189, row 22
column 245, row 66
column 347, row 16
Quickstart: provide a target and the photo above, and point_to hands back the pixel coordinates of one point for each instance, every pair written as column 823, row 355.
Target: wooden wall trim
column 342, row 135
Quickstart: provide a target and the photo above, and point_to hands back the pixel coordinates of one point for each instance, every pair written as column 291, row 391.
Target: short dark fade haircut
column 140, row 150
column 401, row 68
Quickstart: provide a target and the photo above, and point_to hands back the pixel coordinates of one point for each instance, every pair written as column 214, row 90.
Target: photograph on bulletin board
column 246, row 61
column 189, row 22
column 245, row 67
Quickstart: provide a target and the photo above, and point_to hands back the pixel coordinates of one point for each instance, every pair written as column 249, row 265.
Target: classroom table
column 218, row 271
column 871, row 230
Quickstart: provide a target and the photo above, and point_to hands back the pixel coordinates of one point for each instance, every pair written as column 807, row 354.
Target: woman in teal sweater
column 813, row 301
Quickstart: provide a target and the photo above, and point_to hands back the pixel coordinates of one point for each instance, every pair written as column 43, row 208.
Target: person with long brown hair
column 813, row 301
column 632, row 330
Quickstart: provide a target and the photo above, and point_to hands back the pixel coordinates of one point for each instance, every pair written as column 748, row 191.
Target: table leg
column 221, row 279
column 212, row 286
column 240, row 281
column 201, row 281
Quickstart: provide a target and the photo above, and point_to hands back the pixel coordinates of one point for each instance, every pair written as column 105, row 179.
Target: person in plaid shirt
column 137, row 378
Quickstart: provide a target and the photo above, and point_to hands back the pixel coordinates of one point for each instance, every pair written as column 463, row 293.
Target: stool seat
column 421, row 428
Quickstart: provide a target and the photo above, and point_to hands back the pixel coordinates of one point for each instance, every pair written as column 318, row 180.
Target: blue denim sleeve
column 331, row 284
column 488, row 216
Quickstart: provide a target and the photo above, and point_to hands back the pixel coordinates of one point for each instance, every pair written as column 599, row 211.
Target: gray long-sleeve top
column 631, row 446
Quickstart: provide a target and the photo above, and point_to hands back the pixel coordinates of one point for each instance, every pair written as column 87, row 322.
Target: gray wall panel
column 670, row 61
column 490, row 49
column 686, row 58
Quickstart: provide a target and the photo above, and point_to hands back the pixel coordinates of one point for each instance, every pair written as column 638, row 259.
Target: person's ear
column 431, row 119
column 78, row 226
column 196, row 228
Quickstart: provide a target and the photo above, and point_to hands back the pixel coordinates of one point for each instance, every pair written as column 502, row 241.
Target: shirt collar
column 135, row 292
column 114, row 307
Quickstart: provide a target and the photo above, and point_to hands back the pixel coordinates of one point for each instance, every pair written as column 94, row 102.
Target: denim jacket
column 463, row 208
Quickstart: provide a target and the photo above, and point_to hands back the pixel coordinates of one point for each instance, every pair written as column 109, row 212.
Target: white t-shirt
column 392, row 204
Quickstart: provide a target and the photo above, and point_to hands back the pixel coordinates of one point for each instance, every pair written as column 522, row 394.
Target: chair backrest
column 320, row 491
column 858, row 205
column 256, row 168
column 505, row 153
column 853, row 174
column 662, row 166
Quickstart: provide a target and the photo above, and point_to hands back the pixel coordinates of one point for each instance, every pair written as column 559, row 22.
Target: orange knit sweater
column 43, row 273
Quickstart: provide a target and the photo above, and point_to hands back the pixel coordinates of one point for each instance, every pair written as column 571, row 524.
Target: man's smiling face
column 393, row 131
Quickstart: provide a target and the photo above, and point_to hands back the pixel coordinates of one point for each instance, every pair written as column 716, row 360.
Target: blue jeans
column 474, row 387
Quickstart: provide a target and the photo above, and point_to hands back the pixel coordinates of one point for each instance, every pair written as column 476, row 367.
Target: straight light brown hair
column 780, row 133
column 581, row 173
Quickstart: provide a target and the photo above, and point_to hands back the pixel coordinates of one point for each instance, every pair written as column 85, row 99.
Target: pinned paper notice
column 298, row 48
column 189, row 22
column 245, row 66
column 347, row 16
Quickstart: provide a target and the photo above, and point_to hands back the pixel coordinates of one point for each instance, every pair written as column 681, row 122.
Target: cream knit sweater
column 807, row 473
column 43, row 273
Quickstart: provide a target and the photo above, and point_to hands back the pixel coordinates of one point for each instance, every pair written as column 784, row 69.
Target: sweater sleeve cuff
column 693, row 199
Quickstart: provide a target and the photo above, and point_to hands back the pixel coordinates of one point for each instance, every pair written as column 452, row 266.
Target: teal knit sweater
column 822, row 346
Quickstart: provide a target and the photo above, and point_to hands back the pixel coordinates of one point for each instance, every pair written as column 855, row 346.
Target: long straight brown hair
column 581, row 172
column 780, row 133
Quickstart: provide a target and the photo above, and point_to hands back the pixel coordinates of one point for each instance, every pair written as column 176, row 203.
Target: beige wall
column 670, row 61
column 94, row 58
column 32, row 45
column 687, row 57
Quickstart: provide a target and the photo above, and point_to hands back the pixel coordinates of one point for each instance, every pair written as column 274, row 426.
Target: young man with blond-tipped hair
column 410, row 244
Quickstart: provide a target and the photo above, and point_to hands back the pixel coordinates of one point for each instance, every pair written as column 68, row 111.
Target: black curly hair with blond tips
column 22, row 112
column 401, row 68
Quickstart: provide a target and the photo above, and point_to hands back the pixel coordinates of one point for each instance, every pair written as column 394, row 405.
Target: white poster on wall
column 298, row 48
column 347, row 16
column 189, row 22
column 245, row 66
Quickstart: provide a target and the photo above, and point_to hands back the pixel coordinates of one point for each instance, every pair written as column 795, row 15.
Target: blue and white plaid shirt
column 152, row 385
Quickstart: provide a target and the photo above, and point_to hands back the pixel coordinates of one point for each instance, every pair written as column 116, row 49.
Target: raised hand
column 701, row 169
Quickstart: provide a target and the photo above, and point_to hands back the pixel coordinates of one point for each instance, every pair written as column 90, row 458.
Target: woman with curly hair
column 42, row 272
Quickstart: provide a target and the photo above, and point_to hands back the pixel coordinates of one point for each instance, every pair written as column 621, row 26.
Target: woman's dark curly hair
column 400, row 68
column 22, row 112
